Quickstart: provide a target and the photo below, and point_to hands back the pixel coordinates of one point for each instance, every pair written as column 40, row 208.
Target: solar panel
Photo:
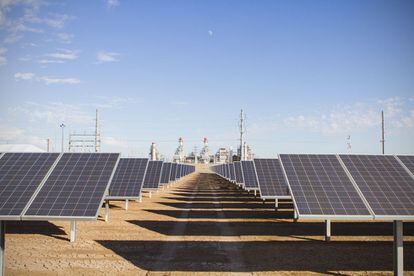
column 249, row 175
column 271, row 179
column 20, row 176
column 153, row 175
column 239, row 172
column 231, row 170
column 75, row 188
column 178, row 171
column 173, row 171
column 128, row 178
column 408, row 161
column 165, row 174
column 385, row 184
column 320, row 187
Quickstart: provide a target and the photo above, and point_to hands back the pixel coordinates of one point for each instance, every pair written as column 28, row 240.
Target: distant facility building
column 222, row 156
column 154, row 153
column 179, row 156
column 248, row 152
column 205, row 157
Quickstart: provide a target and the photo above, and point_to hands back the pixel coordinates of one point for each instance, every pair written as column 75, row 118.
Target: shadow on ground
column 209, row 256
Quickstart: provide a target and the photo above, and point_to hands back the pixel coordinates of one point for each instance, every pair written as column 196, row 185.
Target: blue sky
column 307, row 73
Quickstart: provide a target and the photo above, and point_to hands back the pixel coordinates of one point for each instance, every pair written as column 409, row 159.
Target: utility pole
column 241, row 125
column 62, row 125
column 382, row 132
column 97, row 134
column 348, row 144
column 48, row 145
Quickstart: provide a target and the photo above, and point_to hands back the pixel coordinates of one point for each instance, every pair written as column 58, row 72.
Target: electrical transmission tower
column 86, row 142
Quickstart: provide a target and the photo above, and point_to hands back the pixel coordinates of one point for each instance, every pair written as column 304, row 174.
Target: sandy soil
column 202, row 224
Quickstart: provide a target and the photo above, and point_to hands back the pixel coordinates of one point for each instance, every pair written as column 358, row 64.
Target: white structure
column 154, row 153
column 222, row 156
column 179, row 156
column 205, row 152
column 19, row 148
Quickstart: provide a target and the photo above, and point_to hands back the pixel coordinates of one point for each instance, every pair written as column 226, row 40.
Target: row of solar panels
column 46, row 186
column 332, row 186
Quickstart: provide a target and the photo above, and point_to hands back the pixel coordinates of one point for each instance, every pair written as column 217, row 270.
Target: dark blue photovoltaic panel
column 20, row 176
column 239, row 172
column 128, row 178
column 231, row 171
column 165, row 174
column 321, row 187
column 408, row 161
column 173, row 171
column 178, row 171
column 249, row 175
column 153, row 175
column 76, row 187
column 271, row 178
column 385, row 184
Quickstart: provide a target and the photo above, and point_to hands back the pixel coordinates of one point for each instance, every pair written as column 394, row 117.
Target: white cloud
column 27, row 21
column 3, row 59
column 112, row 3
column 356, row 117
column 210, row 33
column 45, row 79
column 65, row 38
column 114, row 101
column 104, row 56
column 62, row 55
column 48, row 61
column 53, row 113
column 24, row 76
column 53, row 80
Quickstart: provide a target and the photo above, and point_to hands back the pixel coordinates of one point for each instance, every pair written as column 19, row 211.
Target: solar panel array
column 178, row 172
column 239, row 172
column 385, row 184
column 271, row 179
column 165, row 174
column 20, row 176
column 232, row 173
column 249, row 175
column 173, row 171
column 128, row 178
column 75, row 187
column 320, row 186
column 153, row 175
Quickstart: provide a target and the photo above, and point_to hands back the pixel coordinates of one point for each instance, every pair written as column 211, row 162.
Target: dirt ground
column 202, row 224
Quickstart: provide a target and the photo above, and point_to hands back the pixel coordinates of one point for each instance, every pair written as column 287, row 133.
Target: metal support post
column 295, row 215
column 150, row 194
column 2, row 246
column 126, row 204
column 72, row 230
column 398, row 248
column 276, row 203
column 106, row 210
column 328, row 230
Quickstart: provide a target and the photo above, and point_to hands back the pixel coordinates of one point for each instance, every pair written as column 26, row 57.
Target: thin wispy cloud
column 24, row 76
column 210, row 33
column 105, row 57
column 112, row 3
column 48, row 80
column 64, row 55
column 65, row 38
column 179, row 103
column 29, row 21
column 3, row 59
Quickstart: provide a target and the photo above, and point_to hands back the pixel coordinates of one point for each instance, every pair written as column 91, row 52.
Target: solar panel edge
column 404, row 166
column 41, row 184
column 257, row 179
